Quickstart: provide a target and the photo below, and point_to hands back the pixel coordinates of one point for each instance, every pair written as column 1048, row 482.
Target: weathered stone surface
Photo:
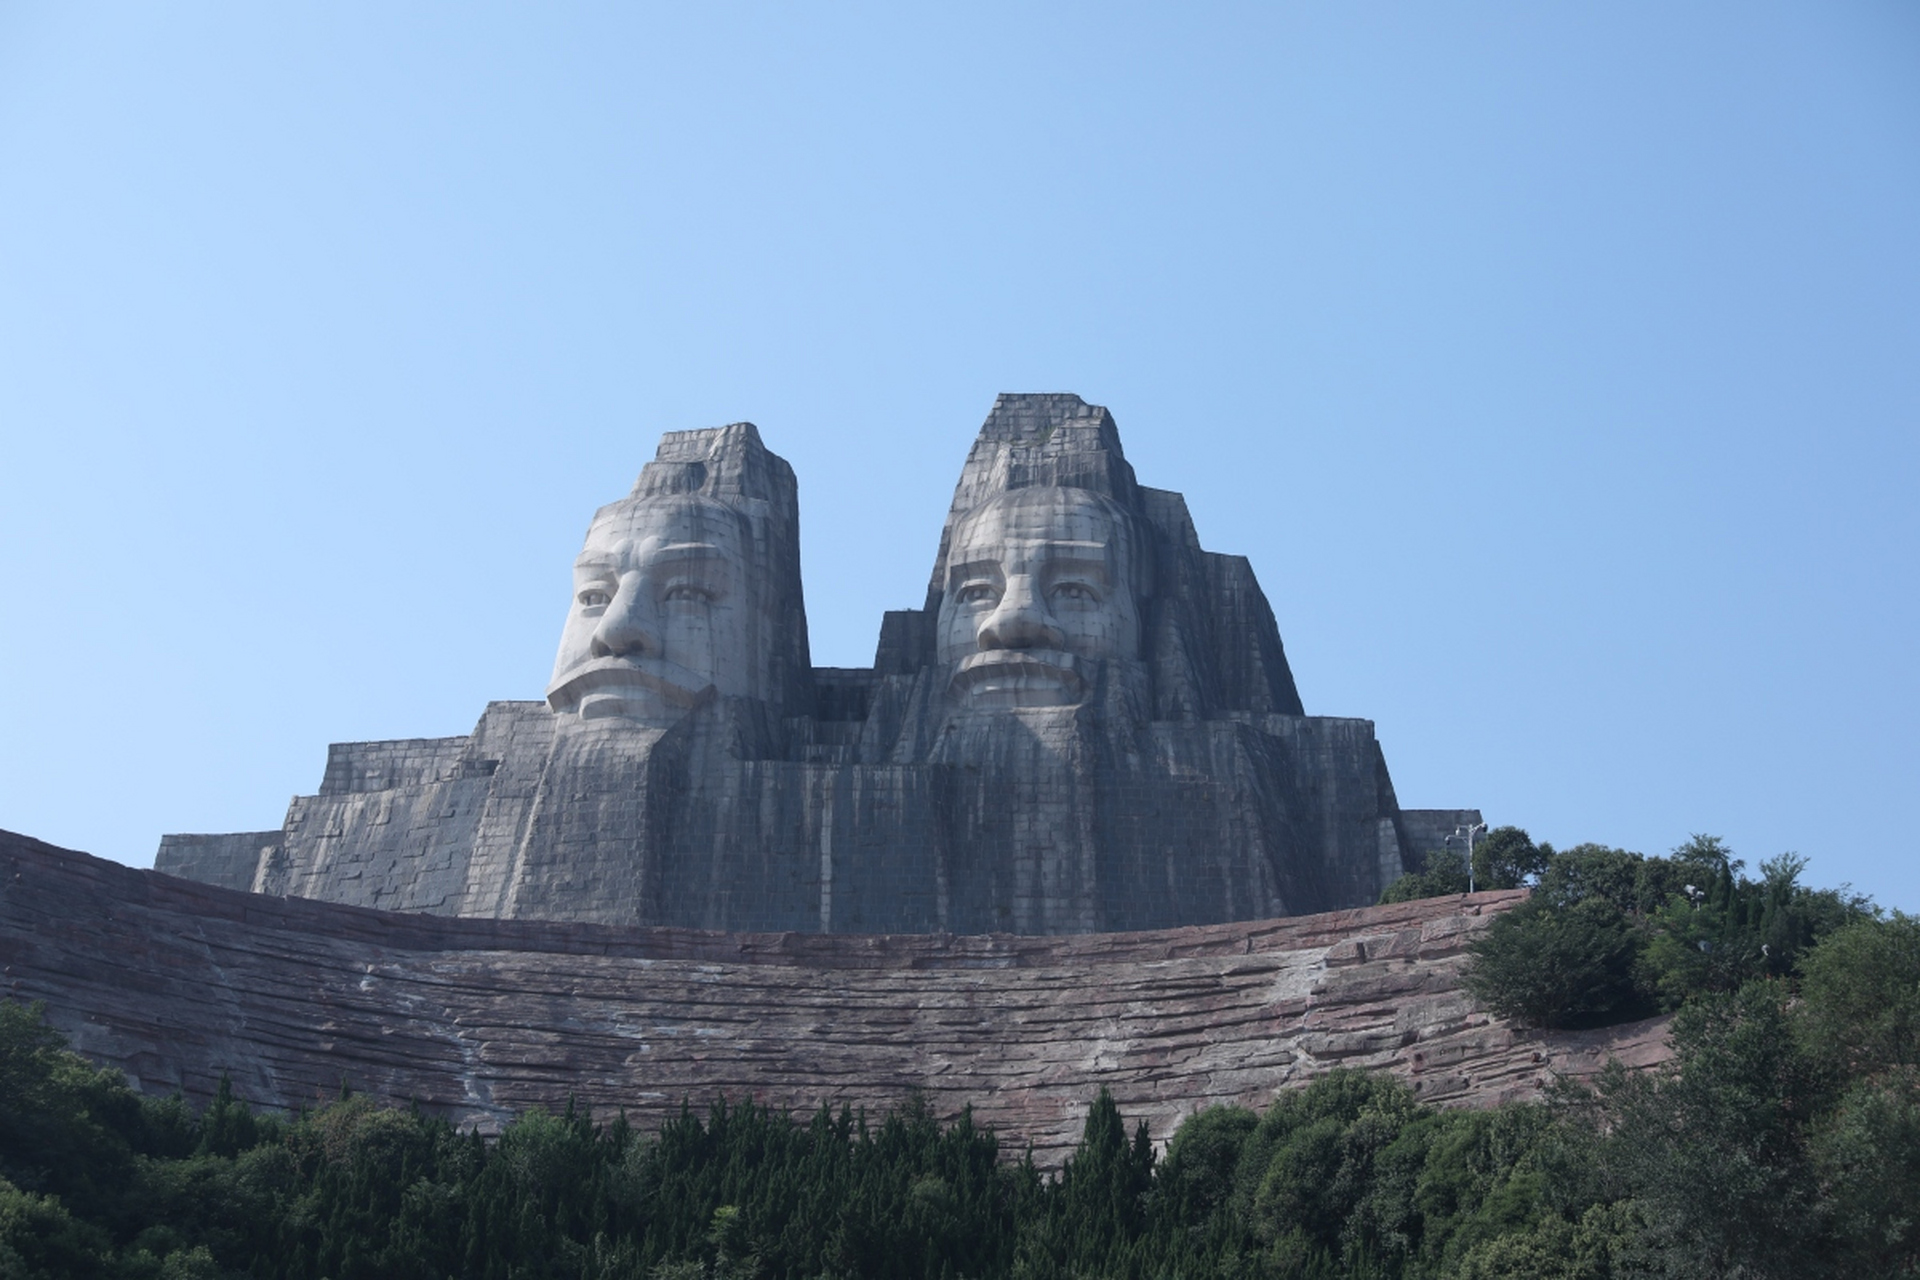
column 175, row 982
column 230, row 860
column 1090, row 726
column 689, row 587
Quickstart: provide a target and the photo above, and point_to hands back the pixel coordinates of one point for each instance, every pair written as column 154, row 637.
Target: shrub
column 1545, row 966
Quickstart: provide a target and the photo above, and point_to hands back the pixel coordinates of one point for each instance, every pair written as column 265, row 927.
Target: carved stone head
column 1042, row 574
column 1039, row 582
column 1055, row 564
column 690, row 584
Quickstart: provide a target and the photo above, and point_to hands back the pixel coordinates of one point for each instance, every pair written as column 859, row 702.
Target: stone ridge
column 175, row 982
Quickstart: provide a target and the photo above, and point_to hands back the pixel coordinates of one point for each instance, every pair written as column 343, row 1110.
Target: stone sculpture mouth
column 631, row 687
column 1018, row 678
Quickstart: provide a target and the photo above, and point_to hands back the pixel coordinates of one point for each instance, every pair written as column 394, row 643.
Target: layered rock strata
column 176, row 982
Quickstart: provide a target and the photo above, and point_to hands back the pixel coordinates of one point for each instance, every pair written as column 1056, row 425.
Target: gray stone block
column 1427, row 831
column 228, row 860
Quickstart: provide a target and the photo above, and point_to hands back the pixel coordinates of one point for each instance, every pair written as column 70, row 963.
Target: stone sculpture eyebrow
column 679, row 552
column 959, row 573
column 1091, row 558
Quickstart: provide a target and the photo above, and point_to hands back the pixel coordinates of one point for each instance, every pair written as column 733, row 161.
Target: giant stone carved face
column 1038, row 588
column 659, row 613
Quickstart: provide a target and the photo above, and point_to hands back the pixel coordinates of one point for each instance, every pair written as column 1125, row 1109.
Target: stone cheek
column 661, row 613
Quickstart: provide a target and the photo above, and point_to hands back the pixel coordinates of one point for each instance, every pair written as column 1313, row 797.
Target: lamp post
column 1467, row 834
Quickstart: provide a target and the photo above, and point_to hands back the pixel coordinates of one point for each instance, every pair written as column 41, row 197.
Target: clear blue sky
column 1558, row 366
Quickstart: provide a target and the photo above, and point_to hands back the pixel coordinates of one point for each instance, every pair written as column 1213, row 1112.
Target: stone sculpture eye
column 977, row 593
column 1075, row 593
column 594, row 598
column 687, row 592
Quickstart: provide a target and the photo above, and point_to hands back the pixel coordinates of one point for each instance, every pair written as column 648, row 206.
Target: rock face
column 175, row 982
column 1090, row 726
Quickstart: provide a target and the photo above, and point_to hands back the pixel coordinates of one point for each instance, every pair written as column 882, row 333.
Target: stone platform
column 175, row 982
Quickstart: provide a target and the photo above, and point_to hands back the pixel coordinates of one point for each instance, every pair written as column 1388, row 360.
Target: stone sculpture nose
column 1020, row 620
column 629, row 628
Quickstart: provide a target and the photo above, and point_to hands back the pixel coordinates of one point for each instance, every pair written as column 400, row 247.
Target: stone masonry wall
column 175, row 982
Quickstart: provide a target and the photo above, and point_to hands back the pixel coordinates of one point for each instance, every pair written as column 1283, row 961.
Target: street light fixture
column 1467, row 834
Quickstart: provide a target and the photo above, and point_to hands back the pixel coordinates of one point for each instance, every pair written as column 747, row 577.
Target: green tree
column 1310, row 1165
column 1507, row 858
column 40, row 1240
column 1714, row 1150
column 1862, row 996
column 1630, row 883
column 1196, row 1179
column 1096, row 1212
column 1558, row 966
column 1865, row 1153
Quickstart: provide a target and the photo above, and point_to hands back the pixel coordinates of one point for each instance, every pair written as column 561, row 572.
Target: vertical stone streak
column 507, row 896
column 823, row 816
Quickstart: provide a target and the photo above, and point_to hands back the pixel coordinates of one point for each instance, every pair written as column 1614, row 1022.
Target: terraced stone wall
column 175, row 982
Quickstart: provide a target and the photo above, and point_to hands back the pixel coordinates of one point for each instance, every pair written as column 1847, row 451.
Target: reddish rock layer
column 175, row 982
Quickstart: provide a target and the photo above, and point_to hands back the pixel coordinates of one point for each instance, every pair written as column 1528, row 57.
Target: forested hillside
column 1784, row 1140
